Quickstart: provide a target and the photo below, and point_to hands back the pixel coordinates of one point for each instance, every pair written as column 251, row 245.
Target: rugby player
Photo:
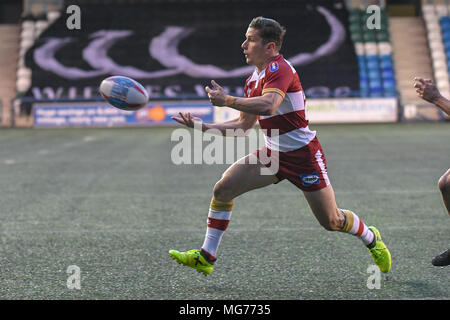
column 273, row 95
column 427, row 90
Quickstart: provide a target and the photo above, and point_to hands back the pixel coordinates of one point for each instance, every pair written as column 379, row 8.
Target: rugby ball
column 124, row 93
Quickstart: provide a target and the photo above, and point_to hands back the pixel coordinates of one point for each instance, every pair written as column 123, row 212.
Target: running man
column 275, row 98
column 427, row 90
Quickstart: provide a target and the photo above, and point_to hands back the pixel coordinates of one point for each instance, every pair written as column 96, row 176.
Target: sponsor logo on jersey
column 273, row 67
column 310, row 179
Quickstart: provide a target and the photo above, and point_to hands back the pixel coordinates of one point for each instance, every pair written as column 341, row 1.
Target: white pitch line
column 43, row 151
column 9, row 161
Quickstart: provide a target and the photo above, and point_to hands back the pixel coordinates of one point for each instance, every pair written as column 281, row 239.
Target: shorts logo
column 310, row 179
column 273, row 67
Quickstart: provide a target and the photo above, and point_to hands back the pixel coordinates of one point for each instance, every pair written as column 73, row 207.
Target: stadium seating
column 374, row 52
column 31, row 28
column 9, row 49
column 437, row 21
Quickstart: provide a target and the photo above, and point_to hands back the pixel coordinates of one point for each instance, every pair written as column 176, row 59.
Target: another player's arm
column 264, row 105
column 444, row 104
column 427, row 90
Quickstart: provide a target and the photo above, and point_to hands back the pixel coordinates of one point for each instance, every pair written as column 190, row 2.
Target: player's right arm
column 234, row 127
column 428, row 91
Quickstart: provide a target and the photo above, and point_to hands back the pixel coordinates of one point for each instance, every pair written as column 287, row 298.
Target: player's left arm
column 264, row 105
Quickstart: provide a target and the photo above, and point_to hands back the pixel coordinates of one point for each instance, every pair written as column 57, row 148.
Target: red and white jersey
column 290, row 117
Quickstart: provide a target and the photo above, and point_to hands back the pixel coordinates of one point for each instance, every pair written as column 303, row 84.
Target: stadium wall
column 159, row 113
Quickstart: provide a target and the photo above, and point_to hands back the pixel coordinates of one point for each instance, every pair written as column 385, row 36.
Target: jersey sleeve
column 278, row 79
column 246, row 87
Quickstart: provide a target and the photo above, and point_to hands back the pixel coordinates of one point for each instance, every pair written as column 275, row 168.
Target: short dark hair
column 269, row 30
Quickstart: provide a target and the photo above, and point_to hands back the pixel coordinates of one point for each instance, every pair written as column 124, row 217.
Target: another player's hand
column 426, row 89
column 217, row 96
column 187, row 119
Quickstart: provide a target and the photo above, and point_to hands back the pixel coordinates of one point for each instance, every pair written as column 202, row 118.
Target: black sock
column 374, row 242
column 204, row 255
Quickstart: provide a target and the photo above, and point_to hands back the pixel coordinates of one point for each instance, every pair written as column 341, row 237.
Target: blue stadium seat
column 445, row 26
column 363, row 72
column 363, row 69
column 364, row 85
column 386, row 65
column 362, row 64
column 373, row 64
column 445, row 22
column 364, row 78
column 361, row 59
column 389, row 94
column 372, row 58
column 446, row 35
column 389, row 84
column 386, row 58
column 374, row 75
column 447, row 43
column 375, row 85
column 387, row 73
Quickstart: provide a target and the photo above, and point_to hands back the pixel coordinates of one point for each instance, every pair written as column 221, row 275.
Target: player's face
column 253, row 47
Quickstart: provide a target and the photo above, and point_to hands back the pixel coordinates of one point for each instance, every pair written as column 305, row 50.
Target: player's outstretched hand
column 426, row 89
column 187, row 119
column 217, row 96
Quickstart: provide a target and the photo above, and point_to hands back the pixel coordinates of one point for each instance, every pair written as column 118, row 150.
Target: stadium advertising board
column 99, row 114
column 352, row 110
column 337, row 110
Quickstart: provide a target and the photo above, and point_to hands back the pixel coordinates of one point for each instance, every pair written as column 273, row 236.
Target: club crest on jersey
column 310, row 179
column 273, row 67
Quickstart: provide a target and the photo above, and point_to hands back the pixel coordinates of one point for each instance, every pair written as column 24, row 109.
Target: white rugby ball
column 124, row 93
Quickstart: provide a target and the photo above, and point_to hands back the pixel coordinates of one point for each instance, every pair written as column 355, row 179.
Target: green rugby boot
column 380, row 253
column 193, row 259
